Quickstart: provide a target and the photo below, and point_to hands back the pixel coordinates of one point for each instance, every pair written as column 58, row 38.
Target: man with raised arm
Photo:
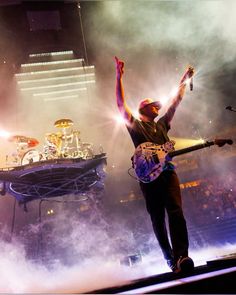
column 162, row 194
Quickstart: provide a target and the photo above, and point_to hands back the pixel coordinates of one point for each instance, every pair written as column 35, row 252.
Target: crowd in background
column 213, row 198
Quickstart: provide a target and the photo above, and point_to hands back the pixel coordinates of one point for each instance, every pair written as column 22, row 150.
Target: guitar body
column 149, row 160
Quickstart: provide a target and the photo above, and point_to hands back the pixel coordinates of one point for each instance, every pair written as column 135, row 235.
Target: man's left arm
column 180, row 93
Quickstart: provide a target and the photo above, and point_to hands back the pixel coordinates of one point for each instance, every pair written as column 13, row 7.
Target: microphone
column 190, row 75
column 229, row 108
column 191, row 84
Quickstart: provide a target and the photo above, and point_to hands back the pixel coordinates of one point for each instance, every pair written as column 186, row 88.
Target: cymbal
column 51, row 135
column 63, row 123
column 18, row 139
column 54, row 138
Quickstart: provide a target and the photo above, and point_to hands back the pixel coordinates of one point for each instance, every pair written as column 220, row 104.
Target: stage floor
column 216, row 276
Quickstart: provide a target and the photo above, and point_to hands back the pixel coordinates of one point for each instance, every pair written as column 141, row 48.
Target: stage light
column 59, row 92
column 186, row 142
column 59, row 98
column 69, row 52
column 119, row 119
column 174, row 92
column 190, row 184
column 57, row 79
column 20, row 75
column 164, row 100
column 4, row 134
column 57, row 86
column 135, row 113
column 50, row 211
column 58, row 62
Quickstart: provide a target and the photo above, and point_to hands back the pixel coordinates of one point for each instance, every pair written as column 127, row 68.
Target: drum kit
column 65, row 143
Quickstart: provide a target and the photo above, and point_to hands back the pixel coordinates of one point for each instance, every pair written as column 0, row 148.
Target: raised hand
column 119, row 67
column 188, row 74
column 190, row 71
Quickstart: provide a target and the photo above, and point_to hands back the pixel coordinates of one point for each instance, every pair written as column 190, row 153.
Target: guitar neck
column 190, row 149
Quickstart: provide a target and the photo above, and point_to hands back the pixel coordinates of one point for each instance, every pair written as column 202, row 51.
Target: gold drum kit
column 65, row 143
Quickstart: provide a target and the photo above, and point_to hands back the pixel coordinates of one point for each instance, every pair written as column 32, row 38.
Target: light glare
column 164, row 100
column 4, row 134
column 119, row 119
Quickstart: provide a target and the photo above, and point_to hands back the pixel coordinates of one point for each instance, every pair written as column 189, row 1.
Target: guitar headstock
column 222, row 142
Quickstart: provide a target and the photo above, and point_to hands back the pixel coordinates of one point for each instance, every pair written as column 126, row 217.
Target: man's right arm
column 120, row 96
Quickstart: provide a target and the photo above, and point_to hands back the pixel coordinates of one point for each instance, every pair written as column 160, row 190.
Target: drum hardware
column 76, row 132
column 87, row 150
column 30, row 157
column 63, row 144
column 23, row 144
column 71, row 145
column 77, row 154
column 66, row 139
column 50, row 151
column 101, row 149
column 52, row 147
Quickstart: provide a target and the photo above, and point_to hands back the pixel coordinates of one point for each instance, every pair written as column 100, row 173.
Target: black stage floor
column 215, row 277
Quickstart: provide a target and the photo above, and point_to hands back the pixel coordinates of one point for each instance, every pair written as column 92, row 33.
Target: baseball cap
column 148, row 101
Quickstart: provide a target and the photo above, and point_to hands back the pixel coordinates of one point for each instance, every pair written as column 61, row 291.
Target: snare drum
column 30, row 157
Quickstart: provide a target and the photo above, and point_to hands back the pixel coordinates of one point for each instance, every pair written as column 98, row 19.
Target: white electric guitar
column 149, row 159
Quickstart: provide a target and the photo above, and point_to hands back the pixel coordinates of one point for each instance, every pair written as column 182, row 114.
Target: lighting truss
column 69, row 52
column 55, row 71
column 40, row 78
column 48, row 63
column 59, row 92
column 63, row 97
column 56, row 78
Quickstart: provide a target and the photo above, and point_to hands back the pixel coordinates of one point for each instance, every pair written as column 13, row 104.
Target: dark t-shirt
column 155, row 132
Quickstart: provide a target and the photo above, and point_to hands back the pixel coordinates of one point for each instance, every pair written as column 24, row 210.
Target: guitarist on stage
column 162, row 194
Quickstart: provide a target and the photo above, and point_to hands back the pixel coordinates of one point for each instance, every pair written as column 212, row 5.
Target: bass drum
column 30, row 157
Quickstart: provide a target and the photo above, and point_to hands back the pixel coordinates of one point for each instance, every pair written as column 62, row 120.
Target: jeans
column 163, row 195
